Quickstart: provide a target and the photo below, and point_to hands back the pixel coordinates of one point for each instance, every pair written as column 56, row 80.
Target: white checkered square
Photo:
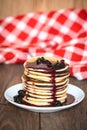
column 43, row 35
column 11, row 38
column 64, row 29
column 42, row 18
column 21, row 25
column 73, row 16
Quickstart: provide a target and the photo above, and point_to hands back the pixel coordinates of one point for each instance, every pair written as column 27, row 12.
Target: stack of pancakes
column 45, row 81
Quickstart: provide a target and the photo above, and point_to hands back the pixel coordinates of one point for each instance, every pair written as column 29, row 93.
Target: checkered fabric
column 61, row 33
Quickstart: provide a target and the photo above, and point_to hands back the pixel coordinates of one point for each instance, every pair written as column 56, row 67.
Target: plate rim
column 42, row 109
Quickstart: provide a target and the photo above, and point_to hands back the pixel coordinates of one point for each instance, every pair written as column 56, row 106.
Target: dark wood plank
column 71, row 119
column 9, row 75
column 14, row 118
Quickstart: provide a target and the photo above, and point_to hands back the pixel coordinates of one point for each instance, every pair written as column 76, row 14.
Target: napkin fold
column 61, row 33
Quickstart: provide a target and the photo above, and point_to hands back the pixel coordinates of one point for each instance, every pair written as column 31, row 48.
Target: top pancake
column 32, row 63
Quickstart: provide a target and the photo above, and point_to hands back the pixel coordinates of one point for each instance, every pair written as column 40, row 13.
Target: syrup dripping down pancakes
column 45, row 81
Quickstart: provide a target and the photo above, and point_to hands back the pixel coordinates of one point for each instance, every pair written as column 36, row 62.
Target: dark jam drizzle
column 53, row 67
column 54, row 88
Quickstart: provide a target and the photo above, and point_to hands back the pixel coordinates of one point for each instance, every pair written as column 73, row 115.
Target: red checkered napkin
column 61, row 33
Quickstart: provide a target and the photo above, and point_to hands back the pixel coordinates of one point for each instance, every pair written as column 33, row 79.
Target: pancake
column 45, row 81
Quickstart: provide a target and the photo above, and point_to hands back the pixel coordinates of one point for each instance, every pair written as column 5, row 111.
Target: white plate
column 73, row 90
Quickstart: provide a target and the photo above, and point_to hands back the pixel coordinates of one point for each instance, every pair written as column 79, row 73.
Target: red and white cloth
column 61, row 33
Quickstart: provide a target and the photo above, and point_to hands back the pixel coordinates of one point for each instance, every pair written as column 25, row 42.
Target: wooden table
column 14, row 118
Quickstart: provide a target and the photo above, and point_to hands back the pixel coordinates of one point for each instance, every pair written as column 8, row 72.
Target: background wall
column 16, row 7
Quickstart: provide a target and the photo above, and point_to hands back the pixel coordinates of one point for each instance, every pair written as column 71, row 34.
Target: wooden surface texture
column 14, row 118
column 16, row 7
